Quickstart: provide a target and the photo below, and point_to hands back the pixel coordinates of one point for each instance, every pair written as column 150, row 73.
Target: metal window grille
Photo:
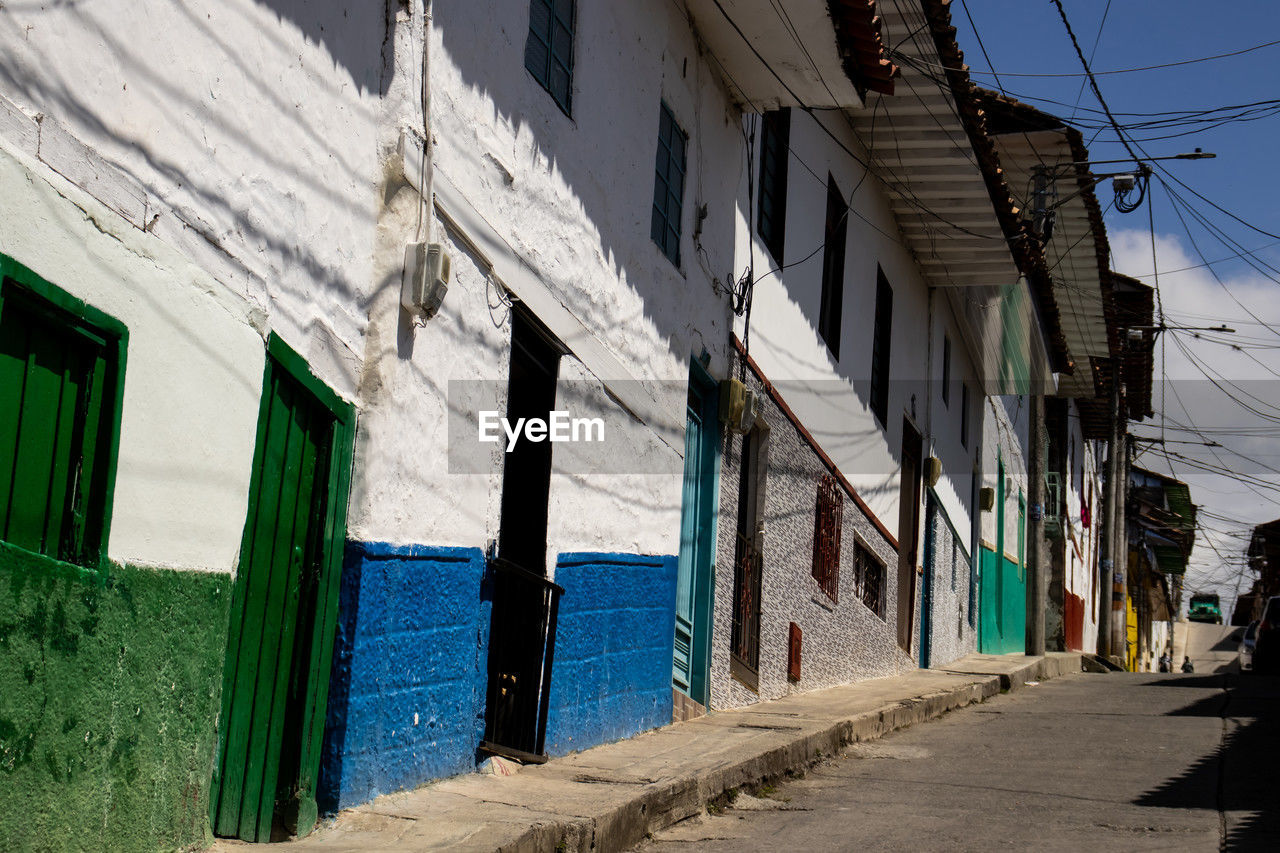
column 548, row 50
column 772, row 204
column 746, row 608
column 668, row 185
column 880, row 348
column 522, row 646
column 827, row 522
column 870, row 579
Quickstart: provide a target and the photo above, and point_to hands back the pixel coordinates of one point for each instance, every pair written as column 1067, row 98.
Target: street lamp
column 1045, row 176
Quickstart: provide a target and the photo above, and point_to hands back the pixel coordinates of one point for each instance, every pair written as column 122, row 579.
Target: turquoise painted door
column 1004, row 586
column 691, row 661
column 992, row 616
column 284, row 609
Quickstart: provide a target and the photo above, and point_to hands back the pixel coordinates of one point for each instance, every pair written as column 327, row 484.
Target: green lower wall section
column 109, row 692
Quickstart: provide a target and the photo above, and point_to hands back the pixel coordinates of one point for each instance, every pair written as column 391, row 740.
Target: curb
column 660, row 805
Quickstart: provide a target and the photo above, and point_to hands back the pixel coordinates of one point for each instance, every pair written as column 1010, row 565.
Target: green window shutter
column 57, row 376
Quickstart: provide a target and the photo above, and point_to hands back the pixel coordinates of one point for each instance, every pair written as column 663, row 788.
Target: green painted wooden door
column 59, row 405
column 691, row 661
column 283, row 611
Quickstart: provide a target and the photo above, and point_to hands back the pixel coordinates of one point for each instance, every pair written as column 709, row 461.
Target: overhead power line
column 1113, row 71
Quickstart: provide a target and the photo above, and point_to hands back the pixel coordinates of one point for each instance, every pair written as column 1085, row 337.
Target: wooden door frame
column 333, row 539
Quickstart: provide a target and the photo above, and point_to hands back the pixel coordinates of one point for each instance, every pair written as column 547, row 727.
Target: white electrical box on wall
column 425, row 280
column 739, row 406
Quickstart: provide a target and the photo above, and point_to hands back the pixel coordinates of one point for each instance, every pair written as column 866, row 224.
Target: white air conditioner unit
column 425, row 280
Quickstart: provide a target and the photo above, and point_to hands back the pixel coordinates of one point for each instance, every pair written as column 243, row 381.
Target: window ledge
column 824, row 601
column 20, row 560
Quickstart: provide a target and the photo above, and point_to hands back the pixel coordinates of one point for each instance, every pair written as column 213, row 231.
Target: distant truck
column 1205, row 608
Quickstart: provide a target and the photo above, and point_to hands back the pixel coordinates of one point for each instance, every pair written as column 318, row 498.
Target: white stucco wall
column 1004, row 437
column 831, row 396
column 1084, row 486
column 555, row 210
column 193, row 373
column 248, row 136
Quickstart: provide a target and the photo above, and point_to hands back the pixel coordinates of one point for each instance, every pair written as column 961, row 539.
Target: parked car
column 1205, row 608
column 1266, row 645
column 1247, row 640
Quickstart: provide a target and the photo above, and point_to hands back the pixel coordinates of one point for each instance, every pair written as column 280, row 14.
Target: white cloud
column 1245, row 365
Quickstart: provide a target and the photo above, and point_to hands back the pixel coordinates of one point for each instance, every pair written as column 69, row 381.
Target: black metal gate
column 522, row 641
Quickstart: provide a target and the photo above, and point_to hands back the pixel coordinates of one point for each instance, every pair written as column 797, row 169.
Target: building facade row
column 276, row 296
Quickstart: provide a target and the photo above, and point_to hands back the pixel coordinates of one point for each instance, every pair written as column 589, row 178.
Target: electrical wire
column 1086, row 74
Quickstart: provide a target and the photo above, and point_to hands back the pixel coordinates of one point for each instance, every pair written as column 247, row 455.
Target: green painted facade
column 110, row 686
column 1003, row 617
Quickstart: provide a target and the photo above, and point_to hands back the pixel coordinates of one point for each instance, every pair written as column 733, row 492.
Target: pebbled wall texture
column 611, row 676
column 109, row 690
column 407, row 689
column 843, row 640
column 951, row 607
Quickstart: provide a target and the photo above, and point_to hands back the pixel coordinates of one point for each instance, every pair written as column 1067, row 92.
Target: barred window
column 828, row 518
column 869, row 573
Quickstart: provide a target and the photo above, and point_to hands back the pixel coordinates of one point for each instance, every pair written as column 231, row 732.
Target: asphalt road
column 1121, row 761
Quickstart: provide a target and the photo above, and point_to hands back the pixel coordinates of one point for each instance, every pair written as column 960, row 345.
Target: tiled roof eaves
column 862, row 51
column 1135, row 306
column 1024, row 248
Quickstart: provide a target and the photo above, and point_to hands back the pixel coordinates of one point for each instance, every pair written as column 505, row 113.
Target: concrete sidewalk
column 610, row 797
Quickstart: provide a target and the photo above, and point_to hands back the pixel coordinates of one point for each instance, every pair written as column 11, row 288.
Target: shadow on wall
column 604, row 157
column 361, row 44
column 614, row 643
column 348, row 31
column 1238, row 778
column 108, row 696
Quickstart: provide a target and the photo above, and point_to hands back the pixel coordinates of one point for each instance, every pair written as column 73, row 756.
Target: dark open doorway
column 523, row 626
column 908, row 529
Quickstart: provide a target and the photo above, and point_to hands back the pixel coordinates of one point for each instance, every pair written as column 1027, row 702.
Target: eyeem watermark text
column 558, row 427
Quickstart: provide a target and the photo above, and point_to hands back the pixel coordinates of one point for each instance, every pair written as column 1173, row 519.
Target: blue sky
column 1028, row 38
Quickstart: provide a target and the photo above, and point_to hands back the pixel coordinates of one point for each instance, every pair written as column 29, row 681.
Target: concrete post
column 1106, row 547
column 1035, row 529
column 1120, row 549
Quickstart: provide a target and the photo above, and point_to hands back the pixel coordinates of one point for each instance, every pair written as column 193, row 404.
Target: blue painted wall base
column 407, row 690
column 611, row 676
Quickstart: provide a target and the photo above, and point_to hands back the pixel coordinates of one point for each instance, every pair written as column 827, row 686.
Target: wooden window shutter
column 794, row 638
